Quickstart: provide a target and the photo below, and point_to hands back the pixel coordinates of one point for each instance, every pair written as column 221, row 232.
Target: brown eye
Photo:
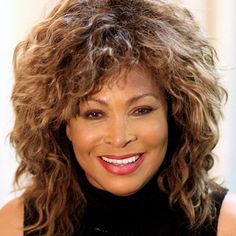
column 142, row 111
column 93, row 115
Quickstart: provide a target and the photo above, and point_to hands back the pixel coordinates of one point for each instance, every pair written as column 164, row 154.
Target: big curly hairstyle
column 66, row 57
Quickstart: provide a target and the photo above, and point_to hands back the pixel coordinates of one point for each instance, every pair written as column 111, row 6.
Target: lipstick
column 121, row 165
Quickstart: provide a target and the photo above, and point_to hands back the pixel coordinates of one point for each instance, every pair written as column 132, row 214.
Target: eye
column 142, row 111
column 93, row 115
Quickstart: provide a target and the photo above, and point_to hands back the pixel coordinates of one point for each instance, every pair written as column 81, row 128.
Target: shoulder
column 227, row 217
column 11, row 218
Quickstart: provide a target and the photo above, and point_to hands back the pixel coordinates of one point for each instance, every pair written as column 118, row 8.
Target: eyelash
column 143, row 111
column 93, row 115
column 97, row 114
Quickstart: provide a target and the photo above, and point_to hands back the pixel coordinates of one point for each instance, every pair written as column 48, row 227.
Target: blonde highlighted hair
column 65, row 58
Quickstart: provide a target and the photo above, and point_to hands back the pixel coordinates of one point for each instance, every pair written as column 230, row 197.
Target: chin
column 122, row 189
column 122, row 193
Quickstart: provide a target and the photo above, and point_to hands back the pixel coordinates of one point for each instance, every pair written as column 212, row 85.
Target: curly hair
column 66, row 57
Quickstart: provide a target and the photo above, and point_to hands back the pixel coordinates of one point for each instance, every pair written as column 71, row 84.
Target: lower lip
column 124, row 169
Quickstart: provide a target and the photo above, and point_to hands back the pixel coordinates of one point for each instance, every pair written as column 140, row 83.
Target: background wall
column 217, row 19
column 16, row 19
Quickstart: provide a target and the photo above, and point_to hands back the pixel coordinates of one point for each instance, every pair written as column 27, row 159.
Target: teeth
column 121, row 161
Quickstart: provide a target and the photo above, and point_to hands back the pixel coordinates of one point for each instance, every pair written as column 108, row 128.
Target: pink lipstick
column 122, row 165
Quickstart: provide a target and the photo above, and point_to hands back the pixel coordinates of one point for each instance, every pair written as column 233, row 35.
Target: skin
column 11, row 217
column 127, row 116
column 123, row 133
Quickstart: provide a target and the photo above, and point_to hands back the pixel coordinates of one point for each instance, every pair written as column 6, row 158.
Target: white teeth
column 121, row 161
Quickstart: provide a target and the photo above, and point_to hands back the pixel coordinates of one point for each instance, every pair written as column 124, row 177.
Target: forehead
column 136, row 79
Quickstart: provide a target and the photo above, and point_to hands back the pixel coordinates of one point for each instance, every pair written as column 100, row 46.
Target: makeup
column 122, row 165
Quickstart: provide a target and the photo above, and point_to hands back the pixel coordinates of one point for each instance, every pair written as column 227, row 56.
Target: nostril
column 120, row 141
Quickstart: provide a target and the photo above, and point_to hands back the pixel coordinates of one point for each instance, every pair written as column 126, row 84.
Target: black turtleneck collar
column 145, row 212
column 138, row 212
column 97, row 196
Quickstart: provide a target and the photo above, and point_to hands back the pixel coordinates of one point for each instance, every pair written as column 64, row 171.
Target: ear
column 68, row 132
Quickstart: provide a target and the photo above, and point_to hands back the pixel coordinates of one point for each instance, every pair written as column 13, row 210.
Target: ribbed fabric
column 145, row 213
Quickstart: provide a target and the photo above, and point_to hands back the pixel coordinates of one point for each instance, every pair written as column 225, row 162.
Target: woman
column 117, row 106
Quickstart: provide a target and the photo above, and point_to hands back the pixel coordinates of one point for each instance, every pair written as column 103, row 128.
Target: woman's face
column 120, row 136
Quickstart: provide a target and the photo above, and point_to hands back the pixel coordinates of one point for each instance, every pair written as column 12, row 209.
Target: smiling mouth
column 123, row 161
column 122, row 165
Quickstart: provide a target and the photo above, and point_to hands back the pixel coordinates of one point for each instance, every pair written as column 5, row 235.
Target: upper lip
column 111, row 156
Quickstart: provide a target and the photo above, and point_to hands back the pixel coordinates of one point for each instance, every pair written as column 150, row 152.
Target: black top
column 145, row 213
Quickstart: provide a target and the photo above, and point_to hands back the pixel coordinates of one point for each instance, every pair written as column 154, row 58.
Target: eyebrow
column 130, row 101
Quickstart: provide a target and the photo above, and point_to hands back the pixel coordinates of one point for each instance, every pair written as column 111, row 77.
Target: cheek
column 154, row 134
column 83, row 140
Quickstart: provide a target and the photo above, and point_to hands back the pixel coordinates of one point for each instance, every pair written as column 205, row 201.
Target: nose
column 119, row 133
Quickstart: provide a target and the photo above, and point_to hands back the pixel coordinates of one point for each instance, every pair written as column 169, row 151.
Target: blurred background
column 217, row 19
